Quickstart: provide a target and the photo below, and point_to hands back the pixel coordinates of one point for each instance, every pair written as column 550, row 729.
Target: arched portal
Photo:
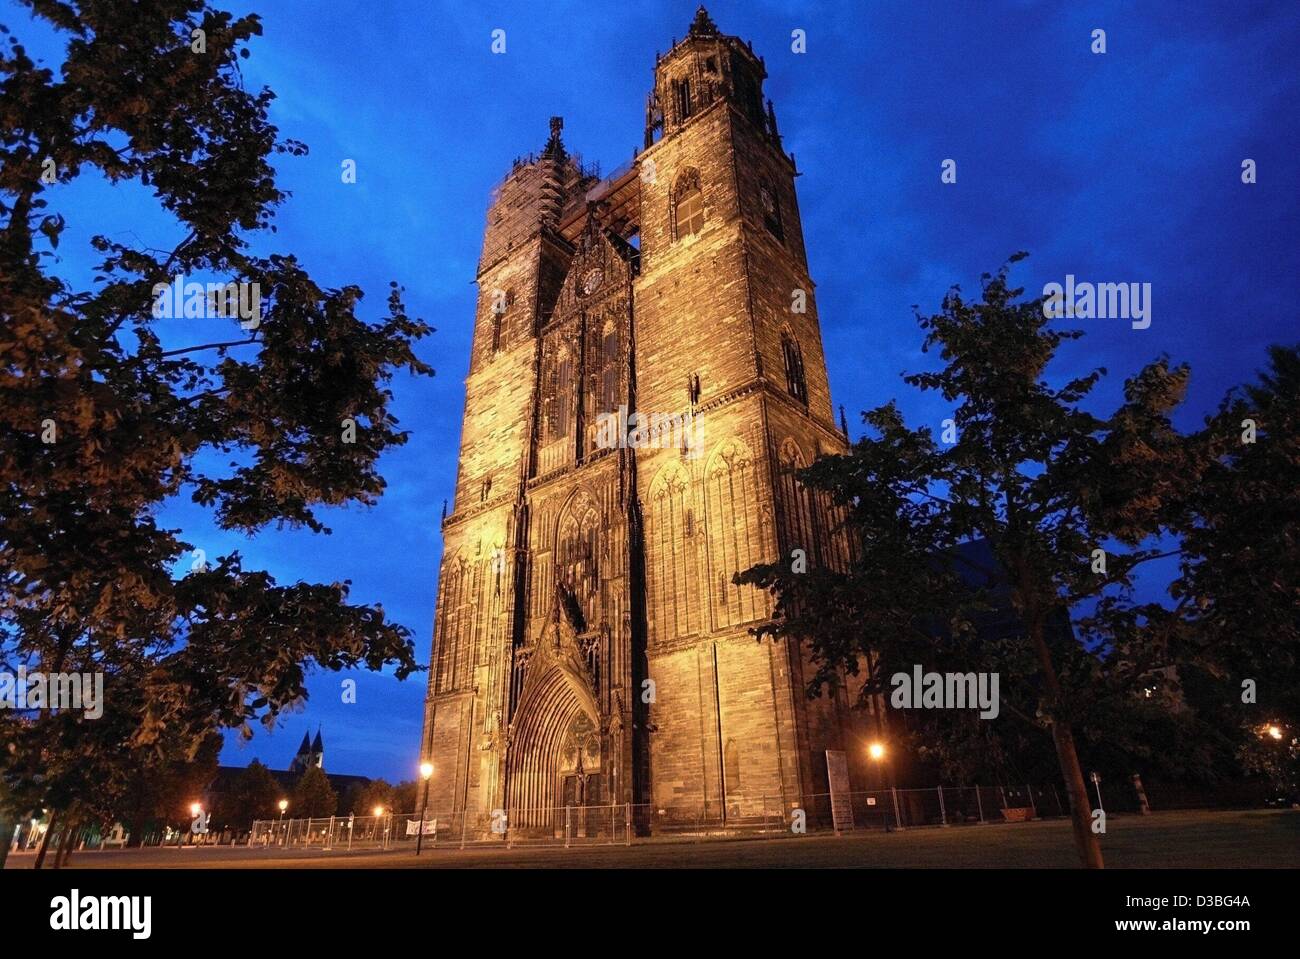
column 555, row 752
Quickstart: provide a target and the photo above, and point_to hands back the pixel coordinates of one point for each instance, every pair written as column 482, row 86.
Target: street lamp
column 876, row 750
column 195, row 809
column 1275, row 732
column 283, row 804
column 426, row 773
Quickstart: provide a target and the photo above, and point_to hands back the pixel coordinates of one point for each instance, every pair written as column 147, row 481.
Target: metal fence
column 624, row 823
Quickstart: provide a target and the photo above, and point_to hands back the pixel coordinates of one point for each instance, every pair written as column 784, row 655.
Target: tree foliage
column 981, row 555
column 1239, row 574
column 313, row 796
column 253, row 794
column 103, row 422
column 377, row 793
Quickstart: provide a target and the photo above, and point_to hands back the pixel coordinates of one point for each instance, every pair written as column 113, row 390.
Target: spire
column 555, row 146
column 702, row 25
column 592, row 231
column 303, row 757
column 318, row 746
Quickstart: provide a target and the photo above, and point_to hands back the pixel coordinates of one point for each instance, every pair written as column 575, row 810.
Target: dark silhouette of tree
column 313, row 796
column 253, row 794
column 376, row 793
column 1240, row 569
column 1042, row 484
column 404, row 797
column 158, row 791
column 262, row 418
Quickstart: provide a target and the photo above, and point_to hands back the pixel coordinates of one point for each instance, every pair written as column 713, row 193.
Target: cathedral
column 309, row 754
column 590, row 646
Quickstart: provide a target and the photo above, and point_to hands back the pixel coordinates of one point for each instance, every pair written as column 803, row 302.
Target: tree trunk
column 1085, row 840
column 45, row 840
column 66, row 843
column 7, row 827
column 62, row 848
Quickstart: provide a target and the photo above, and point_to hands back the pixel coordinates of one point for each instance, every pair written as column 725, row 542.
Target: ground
column 1164, row 840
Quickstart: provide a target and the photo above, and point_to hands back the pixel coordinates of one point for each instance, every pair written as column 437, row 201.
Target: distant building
column 310, row 753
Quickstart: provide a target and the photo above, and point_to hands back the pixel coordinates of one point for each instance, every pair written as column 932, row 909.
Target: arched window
column 795, row 384
column 688, row 205
column 796, row 505
column 502, row 300
column 559, row 387
column 771, row 211
column 456, row 620
column 602, row 378
column 682, row 98
column 609, row 368
column 731, row 765
column 672, row 557
column 579, row 543
column 734, row 534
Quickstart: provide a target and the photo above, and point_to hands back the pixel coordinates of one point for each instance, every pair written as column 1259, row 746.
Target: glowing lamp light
column 1275, row 732
column 876, row 751
column 426, row 770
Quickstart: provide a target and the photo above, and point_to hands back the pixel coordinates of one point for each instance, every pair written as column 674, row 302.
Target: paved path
column 1264, row 838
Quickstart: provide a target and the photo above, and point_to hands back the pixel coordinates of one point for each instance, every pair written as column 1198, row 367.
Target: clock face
column 591, row 281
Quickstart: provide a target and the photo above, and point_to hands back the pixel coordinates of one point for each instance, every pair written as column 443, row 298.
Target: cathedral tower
column 647, row 370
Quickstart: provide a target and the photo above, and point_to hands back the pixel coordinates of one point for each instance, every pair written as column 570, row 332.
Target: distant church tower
column 309, row 754
column 590, row 646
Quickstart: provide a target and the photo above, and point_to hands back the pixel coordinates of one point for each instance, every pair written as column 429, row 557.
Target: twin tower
column 590, row 647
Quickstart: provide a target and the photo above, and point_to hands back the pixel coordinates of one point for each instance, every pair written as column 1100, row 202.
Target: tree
column 8, row 821
column 1240, row 568
column 404, row 797
column 253, row 794
column 279, row 410
column 157, row 790
column 1039, row 485
column 376, row 793
column 313, row 796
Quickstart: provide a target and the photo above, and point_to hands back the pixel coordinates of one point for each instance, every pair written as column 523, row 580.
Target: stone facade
column 590, row 646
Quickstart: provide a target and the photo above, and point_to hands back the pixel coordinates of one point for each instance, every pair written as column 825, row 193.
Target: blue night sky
column 1117, row 167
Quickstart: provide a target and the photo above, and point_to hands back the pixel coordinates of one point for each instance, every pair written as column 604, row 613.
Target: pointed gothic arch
column 796, row 383
column 734, row 531
column 556, row 703
column 577, row 554
column 799, row 529
column 687, row 204
column 546, row 714
column 456, row 588
column 672, row 539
